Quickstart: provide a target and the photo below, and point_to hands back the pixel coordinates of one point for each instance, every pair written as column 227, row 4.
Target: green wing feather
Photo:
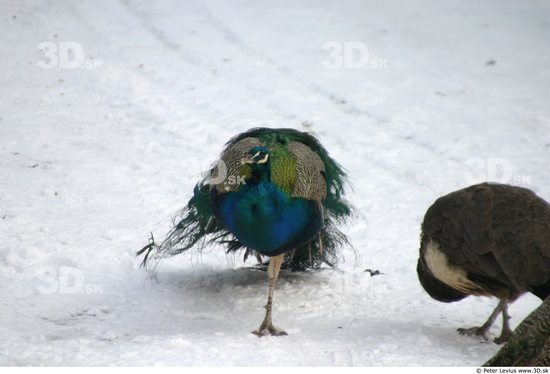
column 283, row 168
column 196, row 225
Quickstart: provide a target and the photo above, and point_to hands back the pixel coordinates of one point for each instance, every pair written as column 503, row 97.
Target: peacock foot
column 478, row 331
column 504, row 337
column 267, row 328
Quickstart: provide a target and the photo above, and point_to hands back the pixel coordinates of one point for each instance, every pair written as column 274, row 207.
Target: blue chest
column 266, row 219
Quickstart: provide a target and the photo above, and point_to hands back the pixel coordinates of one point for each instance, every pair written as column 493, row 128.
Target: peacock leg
column 506, row 330
column 482, row 330
column 267, row 325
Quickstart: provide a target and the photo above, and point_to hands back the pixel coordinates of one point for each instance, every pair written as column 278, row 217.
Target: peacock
column 488, row 239
column 274, row 193
column 530, row 342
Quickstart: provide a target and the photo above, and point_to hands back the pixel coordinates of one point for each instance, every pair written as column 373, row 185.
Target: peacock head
column 258, row 158
column 258, row 163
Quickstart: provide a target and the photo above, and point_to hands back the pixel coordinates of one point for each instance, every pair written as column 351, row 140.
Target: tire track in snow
column 174, row 47
column 351, row 112
column 337, row 101
column 341, row 103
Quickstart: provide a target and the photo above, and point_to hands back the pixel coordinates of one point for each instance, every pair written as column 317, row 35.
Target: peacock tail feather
column 294, row 155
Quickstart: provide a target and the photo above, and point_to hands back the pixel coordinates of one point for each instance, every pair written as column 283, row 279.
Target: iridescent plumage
column 273, row 192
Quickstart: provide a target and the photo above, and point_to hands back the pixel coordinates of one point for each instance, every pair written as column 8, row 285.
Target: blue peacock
column 274, row 193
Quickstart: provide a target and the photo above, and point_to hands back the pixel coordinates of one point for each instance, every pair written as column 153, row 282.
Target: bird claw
column 503, row 338
column 268, row 329
column 478, row 331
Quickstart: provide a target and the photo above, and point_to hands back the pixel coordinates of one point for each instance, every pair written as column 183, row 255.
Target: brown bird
column 486, row 240
column 530, row 342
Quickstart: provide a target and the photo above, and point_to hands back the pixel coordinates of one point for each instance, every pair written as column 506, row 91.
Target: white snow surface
column 93, row 159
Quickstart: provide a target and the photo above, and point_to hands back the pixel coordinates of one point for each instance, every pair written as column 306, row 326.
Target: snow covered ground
column 93, row 158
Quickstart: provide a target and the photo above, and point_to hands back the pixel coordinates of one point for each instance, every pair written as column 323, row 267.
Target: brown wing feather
column 521, row 226
column 461, row 223
column 310, row 182
column 499, row 234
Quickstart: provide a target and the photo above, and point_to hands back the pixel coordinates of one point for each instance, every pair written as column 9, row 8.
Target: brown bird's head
column 434, row 287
